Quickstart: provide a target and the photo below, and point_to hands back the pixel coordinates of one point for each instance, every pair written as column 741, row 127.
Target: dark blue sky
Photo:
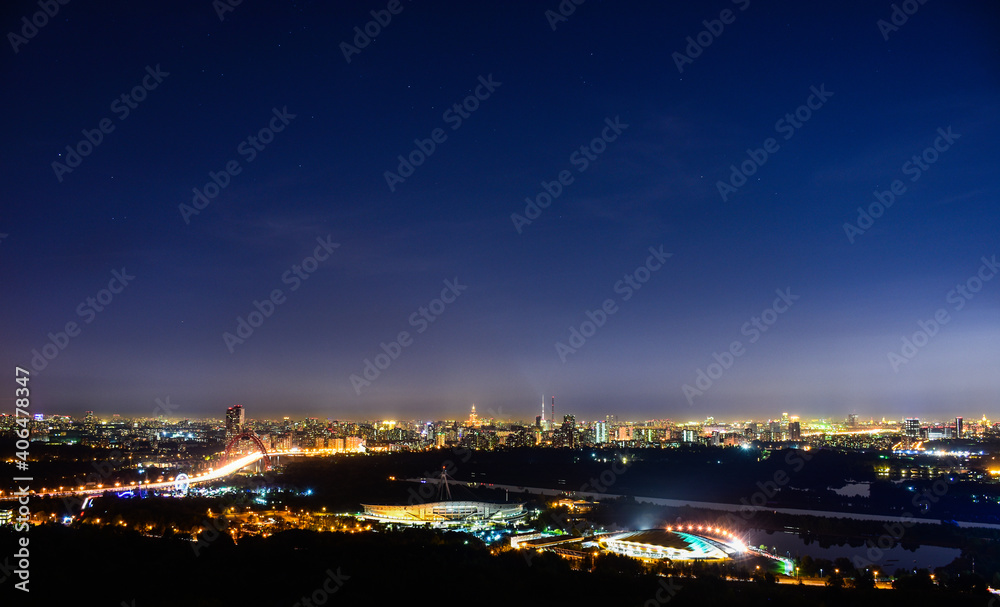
column 836, row 349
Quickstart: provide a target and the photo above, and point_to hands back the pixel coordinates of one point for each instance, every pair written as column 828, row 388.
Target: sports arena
column 681, row 543
column 445, row 514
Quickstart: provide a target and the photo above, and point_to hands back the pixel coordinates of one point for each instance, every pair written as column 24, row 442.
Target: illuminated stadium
column 682, row 543
column 445, row 514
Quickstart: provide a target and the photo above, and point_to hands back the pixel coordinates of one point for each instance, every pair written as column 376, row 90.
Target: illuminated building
column 684, row 543
column 234, row 421
column 354, row 444
column 445, row 514
column 911, row 427
column 794, row 431
column 601, row 432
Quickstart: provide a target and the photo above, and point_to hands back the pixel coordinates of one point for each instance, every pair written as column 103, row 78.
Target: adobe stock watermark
column 896, row 530
column 667, row 590
column 600, row 484
column 898, row 17
column 87, row 310
column 581, row 158
column 104, row 470
column 796, row 459
column 214, row 526
column 626, row 287
column 38, row 20
column 420, row 320
column 331, row 584
column 293, row 276
column 363, row 36
column 957, row 297
column 787, row 125
column 426, row 491
column 164, row 407
column 248, row 148
column 122, row 107
column 455, row 116
column 753, row 328
column 225, row 6
column 562, row 12
column 915, row 167
column 703, row 39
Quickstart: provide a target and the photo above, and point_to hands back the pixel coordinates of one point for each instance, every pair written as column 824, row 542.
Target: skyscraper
column 958, row 427
column 911, row 427
column 234, row 421
column 794, row 431
column 601, row 432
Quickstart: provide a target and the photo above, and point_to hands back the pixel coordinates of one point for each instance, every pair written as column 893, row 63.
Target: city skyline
column 235, row 417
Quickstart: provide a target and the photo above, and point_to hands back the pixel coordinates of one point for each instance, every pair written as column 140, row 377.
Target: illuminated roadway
column 207, row 477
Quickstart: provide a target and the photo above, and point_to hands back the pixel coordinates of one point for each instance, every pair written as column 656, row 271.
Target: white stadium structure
column 445, row 514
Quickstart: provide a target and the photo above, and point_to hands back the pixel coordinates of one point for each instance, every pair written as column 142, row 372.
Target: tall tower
column 473, row 418
column 553, row 410
column 234, row 421
column 794, row 431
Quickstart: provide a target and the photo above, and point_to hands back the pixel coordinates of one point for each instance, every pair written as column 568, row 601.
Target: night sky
column 640, row 123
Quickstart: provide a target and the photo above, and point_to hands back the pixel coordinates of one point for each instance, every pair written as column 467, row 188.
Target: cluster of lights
column 705, row 528
column 732, row 538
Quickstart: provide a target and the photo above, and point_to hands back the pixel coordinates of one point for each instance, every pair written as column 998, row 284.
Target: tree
column 864, row 580
column 835, row 581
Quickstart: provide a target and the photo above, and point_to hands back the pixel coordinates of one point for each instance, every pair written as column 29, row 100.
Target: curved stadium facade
column 680, row 544
column 445, row 514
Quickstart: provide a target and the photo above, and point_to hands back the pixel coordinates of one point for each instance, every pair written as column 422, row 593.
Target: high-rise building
column 794, row 431
column 601, row 432
column 911, row 427
column 354, row 444
column 852, row 420
column 958, row 427
column 775, row 429
column 473, row 418
column 234, row 421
